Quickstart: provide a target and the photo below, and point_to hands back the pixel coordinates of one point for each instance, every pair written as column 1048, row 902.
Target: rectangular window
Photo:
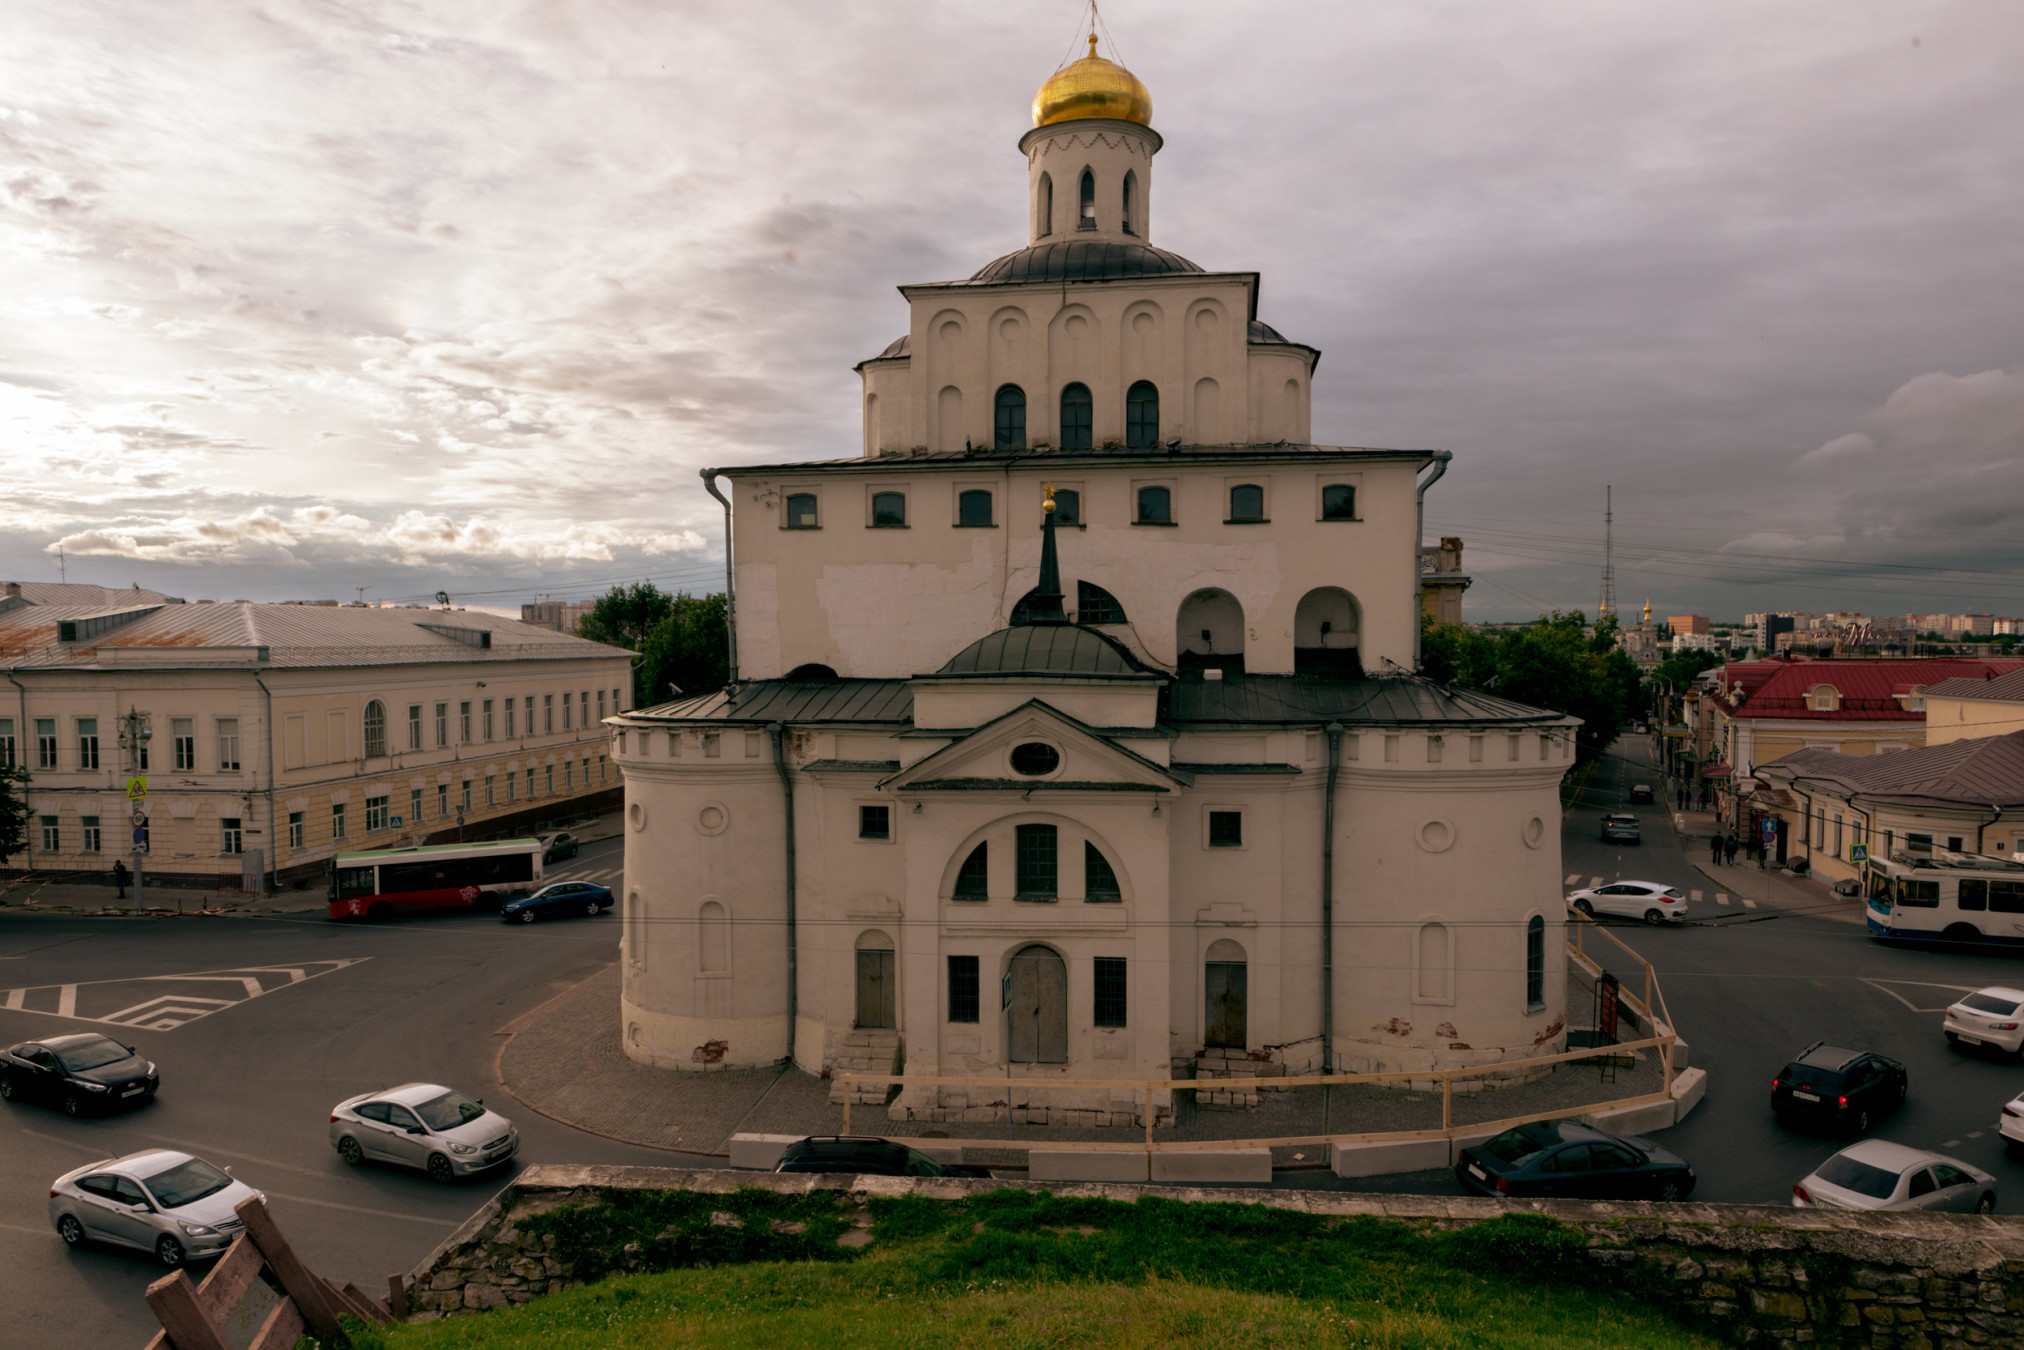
column 600, row 705
column 1226, row 829
column 491, row 789
column 52, row 836
column 87, row 742
column 414, row 807
column 464, row 721
column 800, row 511
column 6, row 742
column 1110, row 991
column 600, row 763
column 530, row 785
column 414, row 726
column 183, row 738
column 963, row 989
column 586, row 770
column 1535, row 964
column 565, row 710
column 583, row 707
column 1155, row 506
column 2006, row 897
column 295, row 829
column 442, row 726
column 547, row 715
column 228, row 745
column 509, row 719
column 1036, row 862
column 1974, row 893
column 337, row 820
column 1914, row 843
column 548, row 778
column 874, row 822
column 45, row 742
column 233, row 841
column 568, row 776
column 443, row 801
column 488, row 719
column 614, row 703
column 375, row 814
column 1953, row 843
column 511, row 786
column 91, row 836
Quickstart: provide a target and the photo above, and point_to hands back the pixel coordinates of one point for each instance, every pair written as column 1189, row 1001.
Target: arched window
column 1825, row 698
column 1094, row 604
column 973, row 882
column 1247, row 503
column 1043, row 208
column 1099, row 880
column 974, row 507
column 1075, row 417
column 1130, row 208
column 1326, row 634
column 1155, row 506
column 1067, row 507
column 1142, row 416
column 1088, row 213
column 1535, row 964
column 1338, row 502
column 1011, row 418
column 1436, row 963
column 812, row 671
column 801, row 510
column 1210, row 632
column 635, row 931
column 888, row 510
column 375, row 729
column 713, row 939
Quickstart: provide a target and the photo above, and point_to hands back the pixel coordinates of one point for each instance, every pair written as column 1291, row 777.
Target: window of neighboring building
column 464, row 722
column 1099, row 880
column 1130, row 207
column 1035, row 758
column 509, row 719
column 491, row 793
column 1086, row 219
column 1825, row 698
column 512, row 784
column 568, row 776
column 1094, row 604
column 1009, row 418
column 548, row 778
column 442, row 726
column 600, row 764
column 233, row 838
column 963, row 989
column 973, row 882
column 52, row 835
column 488, row 719
column 1110, row 991
column 89, row 825
column 1155, row 506
column 45, row 742
column 414, row 726
column 295, row 829
column 1535, row 964
column 1068, row 507
column 1142, row 416
column 530, row 784
column 1247, row 503
column 801, row 511
column 443, row 802
column 1914, row 843
column 565, row 710
column 874, row 822
column 1338, row 502
column 183, row 743
column 1077, row 416
column 375, row 814
column 547, row 716
column 888, row 512
column 87, row 742
column 228, row 744
column 1226, row 829
column 414, row 807
column 6, row 743
column 337, row 820
column 1036, row 861
column 973, row 507
column 466, row 799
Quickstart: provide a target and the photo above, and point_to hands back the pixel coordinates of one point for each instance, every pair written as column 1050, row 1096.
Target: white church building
column 1073, row 723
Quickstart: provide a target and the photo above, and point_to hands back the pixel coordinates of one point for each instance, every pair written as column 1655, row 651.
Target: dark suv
column 1829, row 1085
column 865, row 1155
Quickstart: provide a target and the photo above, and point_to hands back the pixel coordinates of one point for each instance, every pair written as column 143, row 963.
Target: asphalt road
column 250, row 1085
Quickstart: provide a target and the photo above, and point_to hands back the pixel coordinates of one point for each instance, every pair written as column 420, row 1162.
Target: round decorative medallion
column 713, row 819
column 1534, row 832
column 636, row 816
column 1437, row 836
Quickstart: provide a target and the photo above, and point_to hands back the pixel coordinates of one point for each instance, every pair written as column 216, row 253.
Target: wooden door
column 877, row 990
column 1225, row 984
column 1038, row 1015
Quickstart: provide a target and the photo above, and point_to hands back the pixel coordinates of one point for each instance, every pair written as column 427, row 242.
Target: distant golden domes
column 1092, row 87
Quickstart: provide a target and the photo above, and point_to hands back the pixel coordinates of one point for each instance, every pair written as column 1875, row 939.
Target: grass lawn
column 1017, row 1268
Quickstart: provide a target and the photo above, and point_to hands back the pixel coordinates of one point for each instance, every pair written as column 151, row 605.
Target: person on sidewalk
column 120, row 876
column 1714, row 848
column 1729, row 847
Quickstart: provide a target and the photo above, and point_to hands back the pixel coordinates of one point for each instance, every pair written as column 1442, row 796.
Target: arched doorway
column 1209, row 632
column 1226, row 997
column 1325, row 634
column 1037, row 1018
column 877, row 981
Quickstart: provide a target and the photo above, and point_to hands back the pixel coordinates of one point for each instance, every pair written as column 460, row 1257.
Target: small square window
column 1247, row 505
column 1155, row 506
column 1338, row 502
column 874, row 822
column 801, row 511
column 889, row 510
column 973, row 507
column 1226, row 829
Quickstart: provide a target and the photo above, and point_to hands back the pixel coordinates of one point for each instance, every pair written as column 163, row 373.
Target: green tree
column 1682, row 666
column 1555, row 662
column 624, row 615
column 688, row 650
column 13, row 813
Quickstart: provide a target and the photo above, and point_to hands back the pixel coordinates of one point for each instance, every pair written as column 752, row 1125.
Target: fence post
column 1149, row 1117
column 846, row 1103
column 1648, row 990
column 1667, row 1051
column 183, row 1315
column 1448, row 1102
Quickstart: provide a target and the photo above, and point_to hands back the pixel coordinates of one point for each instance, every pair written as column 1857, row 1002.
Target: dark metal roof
column 1403, row 700
column 1048, row 649
column 1981, row 773
column 874, row 701
column 1264, row 332
column 852, row 766
column 1024, row 785
column 2001, row 688
column 1082, row 260
column 1234, row 768
column 1055, row 460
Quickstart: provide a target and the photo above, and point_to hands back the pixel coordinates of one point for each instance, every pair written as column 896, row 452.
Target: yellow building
column 1990, row 705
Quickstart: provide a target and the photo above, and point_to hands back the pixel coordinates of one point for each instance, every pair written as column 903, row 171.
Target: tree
column 688, row 650
column 1554, row 662
column 13, row 813
column 624, row 615
column 1677, row 670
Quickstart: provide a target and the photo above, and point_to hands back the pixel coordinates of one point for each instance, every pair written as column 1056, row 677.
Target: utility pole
column 1608, row 552
column 134, row 735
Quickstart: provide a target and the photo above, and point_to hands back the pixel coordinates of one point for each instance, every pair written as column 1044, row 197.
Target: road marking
column 1951, row 1143
column 1748, row 903
column 1697, row 897
column 357, row 1209
column 1573, row 879
column 1975, row 1134
column 107, row 1001
column 1721, row 897
column 1878, row 985
column 1595, row 881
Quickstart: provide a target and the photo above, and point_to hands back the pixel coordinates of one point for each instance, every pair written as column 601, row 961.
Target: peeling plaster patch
column 1447, row 1030
column 1398, row 1026
column 1559, row 1025
column 710, row 1052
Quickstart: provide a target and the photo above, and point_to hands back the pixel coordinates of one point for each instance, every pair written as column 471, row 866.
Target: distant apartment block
column 1688, row 623
column 559, row 615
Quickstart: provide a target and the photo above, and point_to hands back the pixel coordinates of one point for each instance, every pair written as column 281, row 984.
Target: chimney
column 13, row 589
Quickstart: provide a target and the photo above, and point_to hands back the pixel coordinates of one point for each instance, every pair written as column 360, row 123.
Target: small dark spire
column 1044, row 604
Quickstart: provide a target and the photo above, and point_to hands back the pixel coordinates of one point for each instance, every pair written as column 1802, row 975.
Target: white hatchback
column 424, row 1125
column 1988, row 1017
column 1652, row 901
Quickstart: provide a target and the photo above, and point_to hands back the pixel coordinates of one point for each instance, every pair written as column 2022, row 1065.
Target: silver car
column 1875, row 1174
column 161, row 1201
column 424, row 1125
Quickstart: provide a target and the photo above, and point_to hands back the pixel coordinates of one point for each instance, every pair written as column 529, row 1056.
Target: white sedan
column 424, row 1125
column 174, row 1205
column 1989, row 1017
column 1652, row 901
column 1876, row 1174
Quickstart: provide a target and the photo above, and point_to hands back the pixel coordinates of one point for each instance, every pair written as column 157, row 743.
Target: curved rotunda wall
column 1109, row 151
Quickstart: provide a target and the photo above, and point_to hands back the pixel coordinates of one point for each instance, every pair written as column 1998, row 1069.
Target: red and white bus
column 390, row 881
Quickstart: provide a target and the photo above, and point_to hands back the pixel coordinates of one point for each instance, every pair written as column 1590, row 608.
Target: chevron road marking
column 192, row 995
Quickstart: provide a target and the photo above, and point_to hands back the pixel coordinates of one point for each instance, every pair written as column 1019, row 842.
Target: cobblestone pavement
column 564, row 1060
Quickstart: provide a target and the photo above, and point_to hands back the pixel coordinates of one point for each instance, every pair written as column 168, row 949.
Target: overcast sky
column 298, row 297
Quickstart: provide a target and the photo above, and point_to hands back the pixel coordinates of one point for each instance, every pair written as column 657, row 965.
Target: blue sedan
column 1567, row 1158
column 557, row 899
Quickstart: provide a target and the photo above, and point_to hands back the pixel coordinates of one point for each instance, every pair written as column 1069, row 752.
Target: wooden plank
column 362, row 1306
column 226, row 1285
column 182, row 1314
column 397, row 1297
column 160, row 1342
column 318, row 1309
column 282, row 1329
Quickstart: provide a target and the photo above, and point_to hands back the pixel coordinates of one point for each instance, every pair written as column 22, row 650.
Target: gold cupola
column 1092, row 87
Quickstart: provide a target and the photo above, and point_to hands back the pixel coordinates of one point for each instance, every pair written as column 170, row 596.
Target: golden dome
column 1092, row 87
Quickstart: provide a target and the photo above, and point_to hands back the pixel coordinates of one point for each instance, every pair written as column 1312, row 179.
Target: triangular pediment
column 983, row 759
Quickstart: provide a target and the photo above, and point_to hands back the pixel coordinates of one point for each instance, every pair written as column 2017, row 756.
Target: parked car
column 865, row 1155
column 1830, row 1085
column 1641, row 792
column 1620, row 827
column 172, row 1204
column 2010, row 1124
column 81, row 1073
column 556, row 899
column 1877, row 1174
column 424, row 1125
column 561, row 844
column 1652, row 901
column 1988, row 1017
column 1567, row 1158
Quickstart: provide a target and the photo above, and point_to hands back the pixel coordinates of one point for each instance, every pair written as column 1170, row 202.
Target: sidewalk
column 1775, row 890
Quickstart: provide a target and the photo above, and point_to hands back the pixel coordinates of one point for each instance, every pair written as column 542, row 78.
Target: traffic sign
column 1858, row 852
column 140, row 834
column 140, row 817
column 137, row 788
column 1770, row 831
column 396, row 822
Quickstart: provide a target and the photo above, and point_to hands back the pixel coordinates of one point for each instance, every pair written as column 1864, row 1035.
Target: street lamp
column 134, row 735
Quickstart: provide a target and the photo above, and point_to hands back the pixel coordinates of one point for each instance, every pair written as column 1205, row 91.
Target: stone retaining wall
column 1757, row 1275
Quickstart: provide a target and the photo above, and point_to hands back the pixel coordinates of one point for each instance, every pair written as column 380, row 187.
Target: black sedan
column 562, row 844
column 865, row 1155
column 81, row 1073
column 1568, row 1159
column 1641, row 793
column 1840, row 1088
column 556, row 899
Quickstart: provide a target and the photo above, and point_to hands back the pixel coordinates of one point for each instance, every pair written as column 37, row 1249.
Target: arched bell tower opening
column 1092, row 134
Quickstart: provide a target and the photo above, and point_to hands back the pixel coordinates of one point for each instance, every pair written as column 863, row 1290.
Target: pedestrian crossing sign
column 1858, row 852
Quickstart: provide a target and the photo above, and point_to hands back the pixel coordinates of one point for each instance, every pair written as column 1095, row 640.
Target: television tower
column 1608, row 605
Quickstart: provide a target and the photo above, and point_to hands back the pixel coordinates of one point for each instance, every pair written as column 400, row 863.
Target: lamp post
column 134, row 735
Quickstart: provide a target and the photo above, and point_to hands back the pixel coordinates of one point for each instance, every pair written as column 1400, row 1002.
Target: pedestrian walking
column 120, row 876
column 1680, row 797
column 1714, row 848
column 1729, row 847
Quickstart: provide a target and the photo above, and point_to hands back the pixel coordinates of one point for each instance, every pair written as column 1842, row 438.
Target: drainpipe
column 1328, row 903
column 1985, row 825
column 731, row 623
column 1441, row 458
column 21, row 763
column 273, row 822
column 779, row 732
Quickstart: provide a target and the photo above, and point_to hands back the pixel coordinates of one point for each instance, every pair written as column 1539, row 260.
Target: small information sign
column 1605, row 1007
column 1858, row 852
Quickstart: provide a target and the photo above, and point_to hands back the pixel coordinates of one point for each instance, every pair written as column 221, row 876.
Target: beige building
column 1986, row 705
column 281, row 734
column 1073, row 728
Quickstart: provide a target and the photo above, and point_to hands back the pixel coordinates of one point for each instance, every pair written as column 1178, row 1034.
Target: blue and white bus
column 1948, row 897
